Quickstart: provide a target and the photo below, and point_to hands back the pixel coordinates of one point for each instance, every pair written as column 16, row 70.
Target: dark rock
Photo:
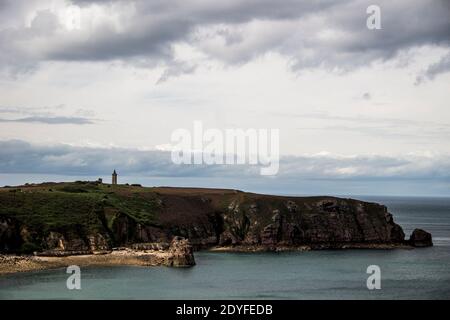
column 291, row 206
column 227, row 239
column 10, row 237
column 420, row 238
column 269, row 234
column 98, row 242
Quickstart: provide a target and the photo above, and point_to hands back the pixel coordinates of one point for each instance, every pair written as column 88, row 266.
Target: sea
column 421, row 273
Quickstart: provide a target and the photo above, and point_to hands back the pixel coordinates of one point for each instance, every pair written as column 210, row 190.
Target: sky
column 87, row 86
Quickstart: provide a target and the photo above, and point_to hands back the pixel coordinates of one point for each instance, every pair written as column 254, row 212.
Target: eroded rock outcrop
column 420, row 238
column 181, row 253
column 72, row 243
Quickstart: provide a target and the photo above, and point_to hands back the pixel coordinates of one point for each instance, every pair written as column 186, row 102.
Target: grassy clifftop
column 59, row 205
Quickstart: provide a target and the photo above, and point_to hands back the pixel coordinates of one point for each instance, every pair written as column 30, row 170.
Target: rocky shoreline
column 419, row 238
column 259, row 248
column 178, row 254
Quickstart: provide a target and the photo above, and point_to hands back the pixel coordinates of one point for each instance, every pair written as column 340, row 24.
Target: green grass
column 140, row 207
column 62, row 206
column 51, row 210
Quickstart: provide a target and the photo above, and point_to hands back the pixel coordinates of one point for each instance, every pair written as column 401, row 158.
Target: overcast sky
column 88, row 85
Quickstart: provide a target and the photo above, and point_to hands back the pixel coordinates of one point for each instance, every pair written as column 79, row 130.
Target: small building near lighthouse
column 114, row 177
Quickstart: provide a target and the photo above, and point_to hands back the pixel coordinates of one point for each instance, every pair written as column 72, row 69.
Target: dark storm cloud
column 231, row 11
column 159, row 24
column 21, row 157
column 310, row 33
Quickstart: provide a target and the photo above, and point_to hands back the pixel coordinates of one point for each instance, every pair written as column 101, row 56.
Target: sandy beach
column 24, row 263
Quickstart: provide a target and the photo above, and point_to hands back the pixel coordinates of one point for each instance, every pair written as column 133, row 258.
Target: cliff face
column 319, row 221
column 10, row 235
column 248, row 219
column 85, row 217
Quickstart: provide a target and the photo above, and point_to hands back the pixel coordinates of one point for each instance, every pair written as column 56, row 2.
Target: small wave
column 441, row 238
column 441, row 241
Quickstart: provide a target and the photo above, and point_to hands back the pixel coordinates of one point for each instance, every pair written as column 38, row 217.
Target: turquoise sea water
column 339, row 274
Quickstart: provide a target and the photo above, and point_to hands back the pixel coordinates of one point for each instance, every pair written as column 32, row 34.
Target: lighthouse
column 114, row 177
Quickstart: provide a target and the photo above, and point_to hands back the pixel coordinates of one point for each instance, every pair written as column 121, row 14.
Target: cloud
column 366, row 96
column 392, row 128
column 31, row 110
column 51, row 120
column 440, row 67
column 353, row 122
column 176, row 69
column 47, row 115
column 22, row 157
column 311, row 34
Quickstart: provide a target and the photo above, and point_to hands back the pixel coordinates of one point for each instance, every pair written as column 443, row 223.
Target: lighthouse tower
column 114, row 177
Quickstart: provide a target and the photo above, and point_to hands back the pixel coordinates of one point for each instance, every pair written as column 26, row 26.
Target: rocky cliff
column 85, row 217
